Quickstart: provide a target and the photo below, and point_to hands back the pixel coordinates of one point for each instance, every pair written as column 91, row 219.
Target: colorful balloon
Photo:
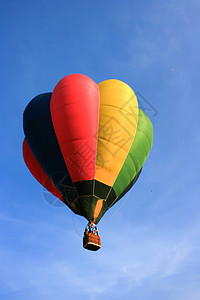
column 86, row 143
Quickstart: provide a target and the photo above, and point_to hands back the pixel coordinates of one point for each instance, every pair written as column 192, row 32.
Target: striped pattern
column 88, row 141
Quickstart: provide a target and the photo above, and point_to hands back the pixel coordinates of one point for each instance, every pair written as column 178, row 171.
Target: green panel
column 137, row 155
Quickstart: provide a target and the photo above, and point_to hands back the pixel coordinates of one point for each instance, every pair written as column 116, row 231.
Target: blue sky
column 150, row 246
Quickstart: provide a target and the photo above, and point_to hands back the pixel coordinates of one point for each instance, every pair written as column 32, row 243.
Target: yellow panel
column 98, row 208
column 118, row 120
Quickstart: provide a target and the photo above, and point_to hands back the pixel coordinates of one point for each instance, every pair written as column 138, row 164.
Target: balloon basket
column 91, row 241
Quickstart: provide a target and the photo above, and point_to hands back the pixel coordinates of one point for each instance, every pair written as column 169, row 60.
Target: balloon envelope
column 86, row 142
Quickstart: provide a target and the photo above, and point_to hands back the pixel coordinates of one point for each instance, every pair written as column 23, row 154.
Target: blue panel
column 42, row 140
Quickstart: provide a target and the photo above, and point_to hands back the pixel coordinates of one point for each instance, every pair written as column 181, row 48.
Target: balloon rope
column 75, row 226
column 108, row 219
column 81, row 221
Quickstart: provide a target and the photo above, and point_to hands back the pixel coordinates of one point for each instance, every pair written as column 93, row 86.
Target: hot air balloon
column 86, row 143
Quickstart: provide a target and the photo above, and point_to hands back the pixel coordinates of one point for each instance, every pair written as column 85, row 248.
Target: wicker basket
column 91, row 241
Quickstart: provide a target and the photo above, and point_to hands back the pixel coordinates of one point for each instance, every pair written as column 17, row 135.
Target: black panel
column 101, row 190
column 84, row 188
column 111, row 197
column 42, row 140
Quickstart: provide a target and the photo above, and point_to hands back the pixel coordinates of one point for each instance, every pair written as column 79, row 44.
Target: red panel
column 38, row 172
column 75, row 113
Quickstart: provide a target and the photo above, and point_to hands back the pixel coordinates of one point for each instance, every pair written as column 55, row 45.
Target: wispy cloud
column 130, row 258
